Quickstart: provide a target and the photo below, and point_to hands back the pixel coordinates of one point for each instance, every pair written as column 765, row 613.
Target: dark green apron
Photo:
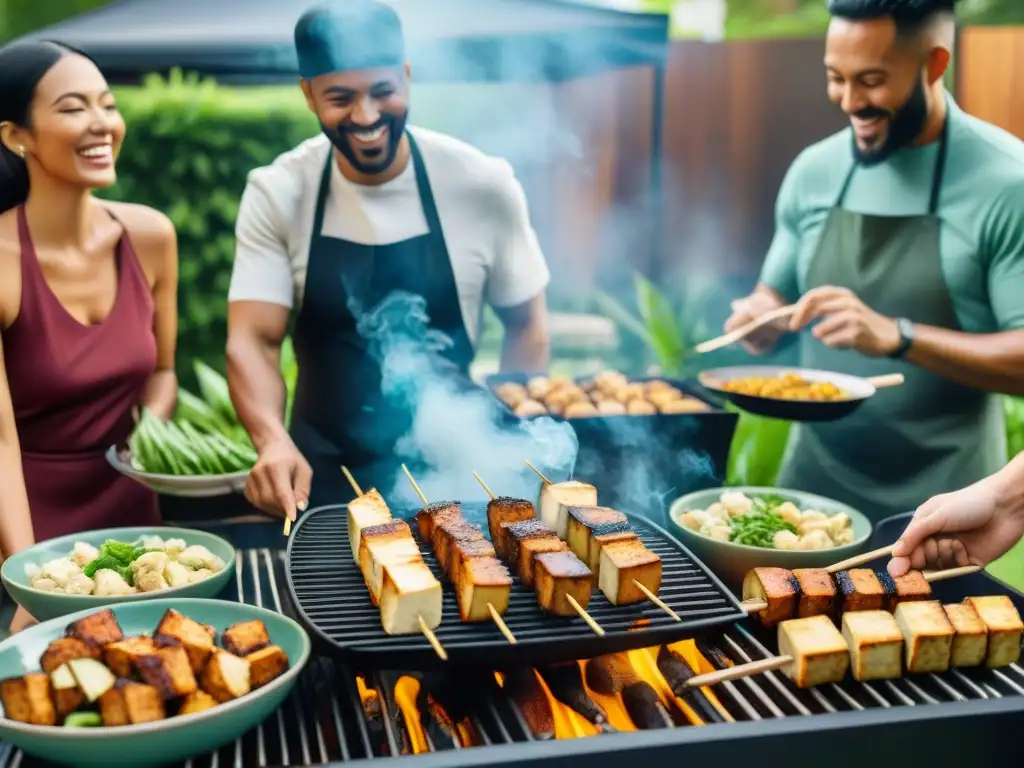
column 909, row 443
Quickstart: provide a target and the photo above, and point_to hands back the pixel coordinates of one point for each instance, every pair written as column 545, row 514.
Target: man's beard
column 905, row 125
column 339, row 137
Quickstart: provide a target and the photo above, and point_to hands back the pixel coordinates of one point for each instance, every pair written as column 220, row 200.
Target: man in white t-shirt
column 332, row 228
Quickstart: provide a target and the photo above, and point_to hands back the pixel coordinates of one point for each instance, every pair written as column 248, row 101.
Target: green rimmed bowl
column 45, row 605
column 167, row 741
column 730, row 562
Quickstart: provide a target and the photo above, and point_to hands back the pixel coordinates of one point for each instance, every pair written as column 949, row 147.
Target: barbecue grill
column 958, row 718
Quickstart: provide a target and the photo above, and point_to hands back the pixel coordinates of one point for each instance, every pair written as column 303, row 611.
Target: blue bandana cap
column 347, row 35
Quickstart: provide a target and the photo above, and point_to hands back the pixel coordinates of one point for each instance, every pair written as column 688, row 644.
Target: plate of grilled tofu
column 167, row 679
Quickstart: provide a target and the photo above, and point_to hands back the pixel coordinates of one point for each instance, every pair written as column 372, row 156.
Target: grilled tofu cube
column 559, row 574
column 819, row 652
column 927, row 635
column 169, row 671
column 1004, row 629
column 130, row 703
column 467, row 550
column 28, row 699
column 226, row 676
column 409, row 592
column 432, row 514
column 121, row 657
column 63, row 650
column 816, row 592
column 583, row 522
column 777, row 588
column 67, row 696
column 600, row 538
column 505, row 510
column 970, row 638
column 622, row 564
column 98, row 629
column 875, row 643
column 93, row 678
column 901, row 589
column 526, row 539
column 197, row 701
column 266, row 664
column 483, row 580
column 245, row 637
column 391, row 543
column 556, row 498
column 860, row 590
column 196, row 640
column 365, row 511
column 448, row 535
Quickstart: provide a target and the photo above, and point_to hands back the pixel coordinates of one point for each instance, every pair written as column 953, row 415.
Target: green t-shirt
column 981, row 207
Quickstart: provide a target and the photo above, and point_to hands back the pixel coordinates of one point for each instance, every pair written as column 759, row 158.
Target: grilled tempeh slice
column 816, row 592
column 559, row 574
column 448, row 534
column 526, row 539
column 391, row 543
column 409, row 591
column 901, row 589
column 927, row 635
column 506, row 510
column 860, row 590
column 777, row 588
column 970, row 638
column 431, row 514
column 818, row 649
column 875, row 643
column 622, row 563
column 463, row 551
column 585, row 521
column 482, row 580
column 556, row 498
column 1004, row 629
column 365, row 511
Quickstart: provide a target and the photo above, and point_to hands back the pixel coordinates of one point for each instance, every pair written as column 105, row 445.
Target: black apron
column 340, row 415
column 909, row 443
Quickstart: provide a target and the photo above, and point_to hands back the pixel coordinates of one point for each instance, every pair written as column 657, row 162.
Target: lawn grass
column 1010, row 567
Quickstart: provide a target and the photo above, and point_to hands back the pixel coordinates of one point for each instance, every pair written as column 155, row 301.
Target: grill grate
column 329, row 591
column 324, row 722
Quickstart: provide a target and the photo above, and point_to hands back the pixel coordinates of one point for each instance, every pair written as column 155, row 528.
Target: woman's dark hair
column 22, row 66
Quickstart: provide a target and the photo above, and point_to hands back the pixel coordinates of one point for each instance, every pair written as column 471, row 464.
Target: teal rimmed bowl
column 166, row 741
column 45, row 605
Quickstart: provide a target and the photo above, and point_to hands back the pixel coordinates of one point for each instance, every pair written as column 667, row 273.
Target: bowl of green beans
column 733, row 530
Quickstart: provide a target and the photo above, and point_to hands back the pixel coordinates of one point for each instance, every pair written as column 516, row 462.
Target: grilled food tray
column 334, row 604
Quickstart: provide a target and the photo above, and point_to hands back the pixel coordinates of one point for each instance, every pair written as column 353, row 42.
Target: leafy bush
column 189, row 148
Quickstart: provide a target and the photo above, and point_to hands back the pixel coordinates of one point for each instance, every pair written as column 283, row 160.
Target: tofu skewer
column 454, row 571
column 397, row 577
column 610, row 548
column 920, row 637
column 546, row 571
column 777, row 594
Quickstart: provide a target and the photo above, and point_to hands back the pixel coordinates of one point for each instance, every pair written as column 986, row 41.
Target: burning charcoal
column 565, row 681
column 524, row 689
column 644, row 707
column 676, row 672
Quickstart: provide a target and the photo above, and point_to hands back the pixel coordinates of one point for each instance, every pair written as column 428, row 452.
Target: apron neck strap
column 937, row 172
column 422, row 187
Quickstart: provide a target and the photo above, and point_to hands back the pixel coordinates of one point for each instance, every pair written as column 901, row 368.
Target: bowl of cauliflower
column 735, row 529
column 115, row 565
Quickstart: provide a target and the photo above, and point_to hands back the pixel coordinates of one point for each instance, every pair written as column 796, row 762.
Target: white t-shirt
column 492, row 245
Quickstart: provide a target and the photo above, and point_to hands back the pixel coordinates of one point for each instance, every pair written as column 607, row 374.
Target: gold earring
column 21, row 151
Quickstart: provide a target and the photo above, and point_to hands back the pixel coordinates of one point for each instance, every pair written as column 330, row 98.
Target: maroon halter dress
column 73, row 387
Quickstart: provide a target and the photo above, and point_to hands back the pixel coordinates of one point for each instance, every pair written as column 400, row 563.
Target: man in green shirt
column 901, row 239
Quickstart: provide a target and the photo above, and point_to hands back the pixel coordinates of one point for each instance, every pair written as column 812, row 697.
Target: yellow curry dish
column 789, row 386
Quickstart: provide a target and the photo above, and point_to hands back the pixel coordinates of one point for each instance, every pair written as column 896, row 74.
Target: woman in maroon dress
column 88, row 304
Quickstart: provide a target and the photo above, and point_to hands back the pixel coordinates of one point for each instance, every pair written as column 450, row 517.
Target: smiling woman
column 88, row 295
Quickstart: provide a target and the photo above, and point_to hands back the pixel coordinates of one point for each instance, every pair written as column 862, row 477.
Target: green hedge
column 189, row 148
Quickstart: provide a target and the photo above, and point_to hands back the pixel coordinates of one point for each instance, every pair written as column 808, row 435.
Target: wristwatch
column 906, row 329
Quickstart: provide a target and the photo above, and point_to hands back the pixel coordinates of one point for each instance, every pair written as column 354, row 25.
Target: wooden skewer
column 301, row 507
column 539, row 473
column 744, row 330
column 739, row 671
column 490, row 606
column 753, row 606
column 864, row 557
column 484, row 485
column 351, row 480
column 650, row 595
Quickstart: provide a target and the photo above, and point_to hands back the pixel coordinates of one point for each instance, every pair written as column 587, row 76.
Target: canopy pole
column 657, row 137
